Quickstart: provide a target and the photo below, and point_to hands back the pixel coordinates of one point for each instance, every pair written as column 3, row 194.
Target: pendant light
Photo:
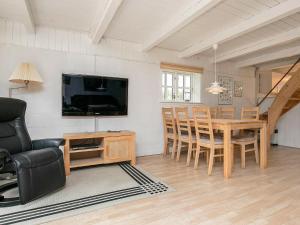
column 215, row 87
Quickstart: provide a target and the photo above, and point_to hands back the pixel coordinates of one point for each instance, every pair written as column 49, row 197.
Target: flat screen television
column 85, row 95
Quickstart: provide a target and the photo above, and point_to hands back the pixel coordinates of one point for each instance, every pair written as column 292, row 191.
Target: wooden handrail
column 292, row 67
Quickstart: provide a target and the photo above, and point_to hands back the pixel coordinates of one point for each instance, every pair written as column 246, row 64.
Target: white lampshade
column 25, row 73
column 215, row 88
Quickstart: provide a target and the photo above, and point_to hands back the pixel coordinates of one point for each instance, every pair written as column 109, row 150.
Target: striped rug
column 126, row 183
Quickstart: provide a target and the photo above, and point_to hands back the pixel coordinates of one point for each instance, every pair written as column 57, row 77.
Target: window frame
column 175, row 86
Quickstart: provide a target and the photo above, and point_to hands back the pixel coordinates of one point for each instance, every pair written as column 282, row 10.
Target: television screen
column 84, row 95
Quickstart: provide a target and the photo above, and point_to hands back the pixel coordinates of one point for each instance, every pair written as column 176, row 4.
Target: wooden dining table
column 228, row 125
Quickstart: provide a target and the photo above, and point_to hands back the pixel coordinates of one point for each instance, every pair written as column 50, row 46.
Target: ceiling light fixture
column 215, row 87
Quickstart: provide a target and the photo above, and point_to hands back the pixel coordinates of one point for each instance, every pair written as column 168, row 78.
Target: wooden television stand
column 88, row 149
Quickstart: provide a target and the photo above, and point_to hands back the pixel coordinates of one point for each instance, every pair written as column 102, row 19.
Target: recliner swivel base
column 7, row 202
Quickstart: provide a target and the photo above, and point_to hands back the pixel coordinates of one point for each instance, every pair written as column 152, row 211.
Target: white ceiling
column 68, row 14
column 271, row 50
column 12, row 9
column 275, row 28
column 139, row 20
column 136, row 20
column 64, row 14
column 226, row 14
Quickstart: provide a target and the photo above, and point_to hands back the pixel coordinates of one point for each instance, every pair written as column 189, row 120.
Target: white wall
column 55, row 52
column 245, row 75
column 288, row 128
column 265, row 81
column 44, row 103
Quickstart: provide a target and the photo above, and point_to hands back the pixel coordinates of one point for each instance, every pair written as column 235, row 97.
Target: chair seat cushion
column 244, row 138
column 218, row 140
column 186, row 137
column 171, row 135
column 36, row 158
column 39, row 172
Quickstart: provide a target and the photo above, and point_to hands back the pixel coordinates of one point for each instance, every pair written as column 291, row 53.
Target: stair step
column 297, row 92
column 294, row 99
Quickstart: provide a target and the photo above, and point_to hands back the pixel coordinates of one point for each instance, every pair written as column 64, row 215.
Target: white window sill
column 181, row 102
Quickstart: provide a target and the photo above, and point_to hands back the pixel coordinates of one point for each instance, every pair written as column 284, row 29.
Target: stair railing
column 275, row 86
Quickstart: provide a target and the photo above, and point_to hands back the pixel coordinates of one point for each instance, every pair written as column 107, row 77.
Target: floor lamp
column 25, row 73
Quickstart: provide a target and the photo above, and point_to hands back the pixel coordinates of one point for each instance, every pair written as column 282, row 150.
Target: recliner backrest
column 13, row 132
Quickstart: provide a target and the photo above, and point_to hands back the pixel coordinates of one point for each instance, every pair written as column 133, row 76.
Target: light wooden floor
column 252, row 196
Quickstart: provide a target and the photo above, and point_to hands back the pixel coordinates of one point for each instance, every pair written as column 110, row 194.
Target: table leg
column 67, row 157
column 263, row 146
column 132, row 149
column 227, row 151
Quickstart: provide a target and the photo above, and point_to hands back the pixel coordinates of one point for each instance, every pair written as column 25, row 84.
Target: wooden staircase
column 287, row 98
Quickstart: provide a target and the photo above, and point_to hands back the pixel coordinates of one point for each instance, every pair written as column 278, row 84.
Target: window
column 180, row 86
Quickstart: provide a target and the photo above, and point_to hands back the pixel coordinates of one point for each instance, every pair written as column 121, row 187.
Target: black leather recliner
column 38, row 164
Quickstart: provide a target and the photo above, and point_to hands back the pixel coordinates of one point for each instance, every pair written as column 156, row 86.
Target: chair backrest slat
column 250, row 113
column 214, row 112
column 183, row 122
column 203, row 123
column 169, row 121
column 226, row 112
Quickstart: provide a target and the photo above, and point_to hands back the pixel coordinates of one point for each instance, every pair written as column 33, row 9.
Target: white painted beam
column 273, row 41
column 196, row 9
column 28, row 22
column 274, row 65
column 285, row 53
column 284, row 70
column 104, row 20
column 274, row 14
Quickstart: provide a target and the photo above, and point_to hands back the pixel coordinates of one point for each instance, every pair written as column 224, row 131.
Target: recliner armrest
column 47, row 143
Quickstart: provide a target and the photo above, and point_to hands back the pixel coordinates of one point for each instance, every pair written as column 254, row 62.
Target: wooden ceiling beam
column 104, row 19
column 272, row 15
column 195, row 10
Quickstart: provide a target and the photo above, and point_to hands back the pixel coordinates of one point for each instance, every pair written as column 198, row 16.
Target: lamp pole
column 95, row 124
column 17, row 88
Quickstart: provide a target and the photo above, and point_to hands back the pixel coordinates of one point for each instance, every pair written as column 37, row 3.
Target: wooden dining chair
column 170, row 131
column 226, row 112
column 248, row 138
column 185, row 136
column 250, row 113
column 206, row 140
column 214, row 111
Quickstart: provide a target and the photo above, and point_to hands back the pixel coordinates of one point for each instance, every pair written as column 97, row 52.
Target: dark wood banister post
column 292, row 67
